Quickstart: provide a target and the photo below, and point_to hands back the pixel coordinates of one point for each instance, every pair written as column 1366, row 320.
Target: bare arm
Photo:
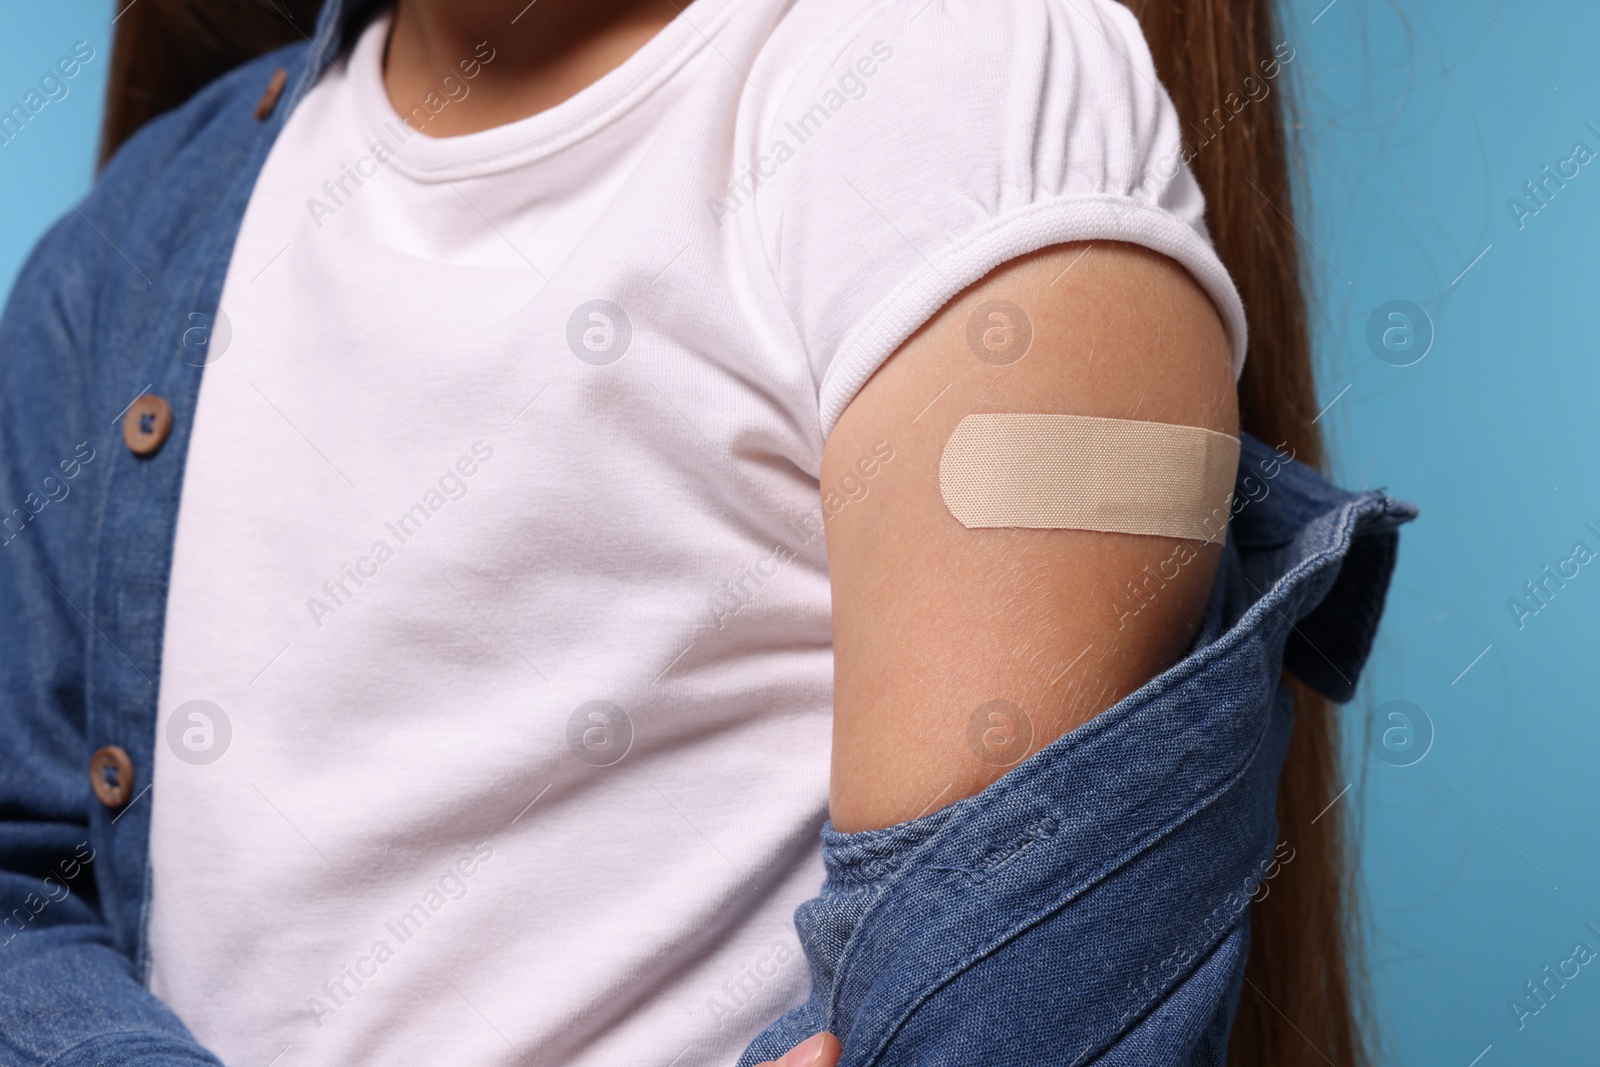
column 959, row 651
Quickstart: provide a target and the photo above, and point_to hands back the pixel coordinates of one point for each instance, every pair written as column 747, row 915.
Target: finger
column 819, row 1050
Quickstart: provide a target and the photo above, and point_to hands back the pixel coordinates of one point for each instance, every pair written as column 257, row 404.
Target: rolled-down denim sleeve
column 70, row 993
column 1092, row 904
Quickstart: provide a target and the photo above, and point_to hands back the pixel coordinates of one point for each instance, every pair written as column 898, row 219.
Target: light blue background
column 57, row 146
column 1421, row 121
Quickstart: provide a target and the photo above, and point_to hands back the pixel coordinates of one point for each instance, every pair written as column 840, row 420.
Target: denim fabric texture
column 98, row 315
column 1092, row 905
column 1069, row 913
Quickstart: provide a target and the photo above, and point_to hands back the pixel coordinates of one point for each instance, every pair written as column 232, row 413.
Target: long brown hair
column 1303, row 999
column 1304, row 995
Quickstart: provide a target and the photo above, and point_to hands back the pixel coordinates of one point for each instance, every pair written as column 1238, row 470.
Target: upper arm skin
column 933, row 620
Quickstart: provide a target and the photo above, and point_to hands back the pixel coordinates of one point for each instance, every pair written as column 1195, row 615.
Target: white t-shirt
column 497, row 681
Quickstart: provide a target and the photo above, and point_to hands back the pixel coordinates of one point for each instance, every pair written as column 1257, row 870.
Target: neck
column 526, row 57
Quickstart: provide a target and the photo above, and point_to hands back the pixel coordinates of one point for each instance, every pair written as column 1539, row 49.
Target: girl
column 528, row 527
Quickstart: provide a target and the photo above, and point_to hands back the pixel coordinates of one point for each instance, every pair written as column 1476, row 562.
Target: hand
column 819, row 1050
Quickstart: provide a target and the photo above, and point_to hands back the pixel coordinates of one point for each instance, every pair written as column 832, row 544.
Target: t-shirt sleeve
column 906, row 149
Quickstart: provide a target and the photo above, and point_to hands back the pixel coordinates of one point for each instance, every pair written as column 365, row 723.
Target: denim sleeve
column 1092, row 905
column 70, row 993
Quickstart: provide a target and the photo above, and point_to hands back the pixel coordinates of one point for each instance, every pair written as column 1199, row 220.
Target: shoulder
column 900, row 152
column 176, row 163
column 204, row 137
column 176, row 166
column 129, row 234
column 977, row 81
column 983, row 35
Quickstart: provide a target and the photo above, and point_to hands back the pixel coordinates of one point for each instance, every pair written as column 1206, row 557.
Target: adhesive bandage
column 1074, row 472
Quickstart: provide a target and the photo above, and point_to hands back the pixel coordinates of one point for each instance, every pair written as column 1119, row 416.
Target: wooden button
column 269, row 99
column 146, row 423
column 111, row 776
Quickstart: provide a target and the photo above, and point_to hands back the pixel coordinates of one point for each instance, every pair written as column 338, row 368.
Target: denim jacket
column 1091, row 905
